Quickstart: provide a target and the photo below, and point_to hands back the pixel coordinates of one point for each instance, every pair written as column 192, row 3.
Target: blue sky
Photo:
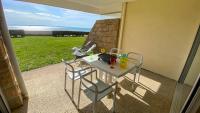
column 22, row 14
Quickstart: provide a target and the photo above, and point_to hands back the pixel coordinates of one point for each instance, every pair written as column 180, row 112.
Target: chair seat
column 133, row 71
column 78, row 53
column 101, row 86
column 77, row 75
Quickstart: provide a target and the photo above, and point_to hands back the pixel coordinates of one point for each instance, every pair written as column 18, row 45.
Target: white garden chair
column 96, row 90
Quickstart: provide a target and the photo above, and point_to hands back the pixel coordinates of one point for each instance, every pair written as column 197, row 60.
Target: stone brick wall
column 105, row 34
column 8, row 81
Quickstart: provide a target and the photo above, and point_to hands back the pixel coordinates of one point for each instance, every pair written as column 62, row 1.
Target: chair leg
column 79, row 95
column 109, row 81
column 73, row 90
column 114, row 100
column 94, row 107
column 96, row 75
column 65, row 83
column 100, row 75
column 94, row 103
column 138, row 72
column 91, row 75
column 65, row 80
column 134, row 77
column 133, row 84
column 138, row 77
column 106, row 78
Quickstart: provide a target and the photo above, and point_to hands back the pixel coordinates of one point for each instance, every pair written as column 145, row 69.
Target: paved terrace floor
column 153, row 94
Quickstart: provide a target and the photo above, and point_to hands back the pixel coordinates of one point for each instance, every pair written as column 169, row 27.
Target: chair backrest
column 68, row 66
column 90, row 45
column 91, row 48
column 86, row 82
column 136, row 57
column 115, row 50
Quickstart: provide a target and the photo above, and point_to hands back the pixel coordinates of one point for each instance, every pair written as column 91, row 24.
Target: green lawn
column 38, row 51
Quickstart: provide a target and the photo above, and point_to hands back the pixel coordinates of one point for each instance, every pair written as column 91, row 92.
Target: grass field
column 38, row 51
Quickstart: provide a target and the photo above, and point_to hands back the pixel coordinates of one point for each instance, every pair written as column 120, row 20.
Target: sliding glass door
column 192, row 103
column 188, row 80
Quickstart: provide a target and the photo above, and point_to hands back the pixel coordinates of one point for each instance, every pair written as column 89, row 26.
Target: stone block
column 111, row 27
column 6, row 80
column 108, row 33
column 99, row 22
column 104, row 29
column 2, row 50
column 97, row 25
column 94, row 29
column 4, row 65
column 15, row 102
column 92, row 36
column 12, row 92
column 114, row 34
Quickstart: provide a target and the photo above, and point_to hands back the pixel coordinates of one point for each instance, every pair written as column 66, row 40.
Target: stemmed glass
column 113, row 59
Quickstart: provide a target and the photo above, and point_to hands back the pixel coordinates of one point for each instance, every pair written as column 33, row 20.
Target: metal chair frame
column 139, row 66
column 140, row 59
column 84, row 50
column 115, row 50
column 73, row 71
column 96, row 91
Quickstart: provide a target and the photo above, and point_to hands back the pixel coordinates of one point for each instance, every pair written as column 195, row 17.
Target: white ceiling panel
column 91, row 6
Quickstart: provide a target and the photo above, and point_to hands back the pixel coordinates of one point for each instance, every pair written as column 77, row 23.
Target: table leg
column 106, row 77
column 109, row 79
column 100, row 75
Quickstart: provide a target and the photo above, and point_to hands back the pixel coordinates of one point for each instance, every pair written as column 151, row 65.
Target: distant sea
column 48, row 28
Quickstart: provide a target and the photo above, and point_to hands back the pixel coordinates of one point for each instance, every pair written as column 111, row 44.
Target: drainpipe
column 8, row 44
column 121, row 31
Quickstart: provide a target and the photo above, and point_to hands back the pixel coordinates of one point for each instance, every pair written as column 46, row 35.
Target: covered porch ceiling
column 103, row 7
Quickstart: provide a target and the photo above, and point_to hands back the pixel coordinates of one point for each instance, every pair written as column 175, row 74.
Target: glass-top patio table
column 117, row 71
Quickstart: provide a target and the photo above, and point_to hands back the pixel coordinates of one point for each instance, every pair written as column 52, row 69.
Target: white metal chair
column 96, row 90
column 81, row 52
column 73, row 73
column 138, row 59
column 115, row 50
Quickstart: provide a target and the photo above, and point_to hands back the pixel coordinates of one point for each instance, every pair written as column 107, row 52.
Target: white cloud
column 15, row 11
column 48, row 15
column 68, row 12
column 65, row 18
column 40, row 7
column 81, row 16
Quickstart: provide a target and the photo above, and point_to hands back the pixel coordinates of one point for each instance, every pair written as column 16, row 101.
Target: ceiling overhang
column 103, row 7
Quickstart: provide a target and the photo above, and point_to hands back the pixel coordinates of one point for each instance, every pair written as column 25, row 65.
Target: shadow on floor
column 153, row 91
column 128, row 104
column 100, row 108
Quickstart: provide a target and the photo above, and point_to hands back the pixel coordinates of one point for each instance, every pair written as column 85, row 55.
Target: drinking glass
column 123, row 61
column 112, row 60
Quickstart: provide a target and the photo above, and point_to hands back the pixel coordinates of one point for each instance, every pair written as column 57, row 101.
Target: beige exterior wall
column 163, row 31
column 194, row 70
